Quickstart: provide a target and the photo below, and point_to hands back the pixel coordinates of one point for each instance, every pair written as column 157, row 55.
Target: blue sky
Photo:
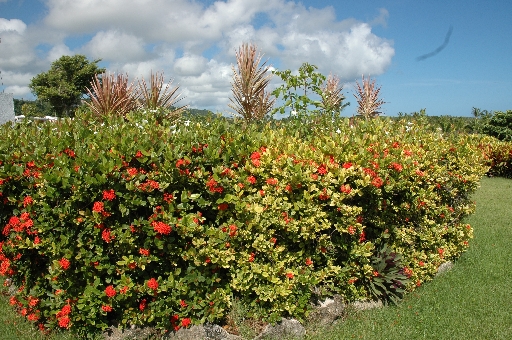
column 193, row 42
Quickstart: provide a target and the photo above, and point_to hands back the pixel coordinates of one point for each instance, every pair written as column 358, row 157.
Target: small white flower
column 293, row 113
column 338, row 131
column 186, row 123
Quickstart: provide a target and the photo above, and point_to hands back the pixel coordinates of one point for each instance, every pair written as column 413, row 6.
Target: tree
column 368, row 100
column 64, row 85
column 500, row 126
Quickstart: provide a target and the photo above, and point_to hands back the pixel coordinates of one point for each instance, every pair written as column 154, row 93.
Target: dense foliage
column 134, row 222
column 500, row 126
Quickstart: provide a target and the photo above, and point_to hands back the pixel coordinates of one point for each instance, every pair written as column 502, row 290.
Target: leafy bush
column 134, row 223
column 500, row 125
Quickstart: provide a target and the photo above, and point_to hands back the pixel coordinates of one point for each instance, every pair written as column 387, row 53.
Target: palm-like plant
column 111, row 95
column 249, row 83
column 368, row 99
column 332, row 98
column 158, row 97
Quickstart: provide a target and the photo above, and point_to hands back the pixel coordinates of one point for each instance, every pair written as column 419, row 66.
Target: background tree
column 64, row 85
column 500, row 125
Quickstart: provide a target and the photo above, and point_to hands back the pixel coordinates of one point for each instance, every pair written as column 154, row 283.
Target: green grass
column 472, row 301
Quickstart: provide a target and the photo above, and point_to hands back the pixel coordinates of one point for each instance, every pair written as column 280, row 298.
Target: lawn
column 472, row 301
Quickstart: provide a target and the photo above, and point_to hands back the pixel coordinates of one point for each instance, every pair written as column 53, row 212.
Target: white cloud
column 195, row 43
column 12, row 25
column 18, row 91
column 190, row 65
column 115, row 46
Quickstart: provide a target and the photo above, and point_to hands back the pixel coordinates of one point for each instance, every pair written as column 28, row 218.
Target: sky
column 445, row 56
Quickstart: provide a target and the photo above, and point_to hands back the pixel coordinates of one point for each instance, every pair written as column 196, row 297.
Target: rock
column 216, row 332
column 192, row 333
column 364, row 305
column 286, row 328
column 444, row 267
column 327, row 312
column 114, row 333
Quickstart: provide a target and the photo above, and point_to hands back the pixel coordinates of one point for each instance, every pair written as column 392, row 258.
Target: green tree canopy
column 64, row 85
column 500, row 125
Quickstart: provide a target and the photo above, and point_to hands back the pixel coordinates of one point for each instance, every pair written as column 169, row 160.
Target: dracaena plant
column 368, row 100
column 111, row 95
column 332, row 96
column 161, row 99
column 250, row 100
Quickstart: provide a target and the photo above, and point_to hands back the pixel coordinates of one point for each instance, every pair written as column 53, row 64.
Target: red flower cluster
column 63, row 317
column 98, row 207
column 272, row 181
column 149, row 185
column 213, row 186
column 168, row 198
column 252, row 257
column 396, row 167
column 27, row 201
column 255, row 159
column 345, row 188
column 161, row 227
column 23, row 223
column 64, row 263
column 144, row 252
column 110, row 291
column 143, row 304
column 106, row 236
column 152, row 284
column 309, row 262
column 251, row 179
column 106, row 308
column 289, row 275
column 109, row 195
column 322, row 169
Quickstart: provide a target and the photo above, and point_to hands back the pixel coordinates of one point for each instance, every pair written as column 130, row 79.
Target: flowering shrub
column 106, row 225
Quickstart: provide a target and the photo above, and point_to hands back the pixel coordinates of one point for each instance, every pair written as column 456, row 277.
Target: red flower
column 152, row 284
column 109, row 195
column 289, row 275
column 262, row 192
column 309, row 262
column 138, row 154
column 123, row 290
column 347, row 165
column 64, row 322
column 168, row 197
column 345, row 189
column 251, row 179
column 377, row 182
column 143, row 304
column 64, row 263
column 272, row 181
column 161, row 227
column 183, row 304
column 110, row 291
column 396, row 167
column 223, row 206
column 232, row 230
column 273, row 240
column 314, row 177
column 362, row 237
column 33, row 317
column 322, row 170
column 106, row 308
column 251, row 257
column 185, row 322
column 105, row 235
column 144, row 252
column 351, row 230
column 98, row 207
column 27, row 201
